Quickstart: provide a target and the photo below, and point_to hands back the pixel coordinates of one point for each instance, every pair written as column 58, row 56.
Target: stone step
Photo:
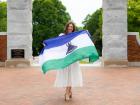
column 2, row 64
column 17, row 63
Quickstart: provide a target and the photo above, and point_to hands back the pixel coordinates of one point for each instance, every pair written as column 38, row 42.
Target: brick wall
column 133, row 49
column 3, row 48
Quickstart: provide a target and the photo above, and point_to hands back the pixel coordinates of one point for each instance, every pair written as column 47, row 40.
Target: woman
column 71, row 76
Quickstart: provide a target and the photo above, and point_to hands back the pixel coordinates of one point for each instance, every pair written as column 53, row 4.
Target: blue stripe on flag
column 61, row 40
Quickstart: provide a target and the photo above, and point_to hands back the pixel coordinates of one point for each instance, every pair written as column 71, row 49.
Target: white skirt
column 70, row 76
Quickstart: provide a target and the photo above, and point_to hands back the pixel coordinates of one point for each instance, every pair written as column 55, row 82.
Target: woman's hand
column 43, row 44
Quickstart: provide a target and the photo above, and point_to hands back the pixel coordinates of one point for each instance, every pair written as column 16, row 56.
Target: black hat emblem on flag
column 70, row 48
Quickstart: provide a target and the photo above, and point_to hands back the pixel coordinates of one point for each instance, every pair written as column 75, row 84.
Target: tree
column 93, row 23
column 134, row 15
column 49, row 19
column 3, row 16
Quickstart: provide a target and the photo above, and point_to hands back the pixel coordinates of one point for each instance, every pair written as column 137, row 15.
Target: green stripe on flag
column 78, row 54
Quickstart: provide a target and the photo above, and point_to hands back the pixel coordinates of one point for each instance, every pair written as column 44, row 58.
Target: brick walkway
column 102, row 86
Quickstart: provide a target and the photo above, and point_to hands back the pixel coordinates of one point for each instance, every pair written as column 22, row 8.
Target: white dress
column 69, row 76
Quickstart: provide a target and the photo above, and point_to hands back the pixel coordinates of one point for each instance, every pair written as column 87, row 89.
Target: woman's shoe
column 70, row 96
column 67, row 97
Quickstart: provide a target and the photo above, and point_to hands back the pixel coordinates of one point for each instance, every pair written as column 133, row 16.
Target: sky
column 79, row 9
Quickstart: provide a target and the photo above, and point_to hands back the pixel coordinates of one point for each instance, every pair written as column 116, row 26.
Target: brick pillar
column 133, row 49
column 3, row 46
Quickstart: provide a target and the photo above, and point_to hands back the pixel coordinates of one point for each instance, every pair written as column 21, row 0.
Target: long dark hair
column 67, row 25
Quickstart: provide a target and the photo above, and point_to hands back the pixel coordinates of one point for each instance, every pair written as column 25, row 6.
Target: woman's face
column 70, row 28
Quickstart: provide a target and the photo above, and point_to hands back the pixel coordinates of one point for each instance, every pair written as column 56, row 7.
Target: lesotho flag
column 61, row 51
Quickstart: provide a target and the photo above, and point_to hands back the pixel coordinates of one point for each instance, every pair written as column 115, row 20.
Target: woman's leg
column 68, row 93
column 68, row 89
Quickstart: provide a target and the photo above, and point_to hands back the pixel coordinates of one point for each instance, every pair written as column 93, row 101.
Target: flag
column 61, row 51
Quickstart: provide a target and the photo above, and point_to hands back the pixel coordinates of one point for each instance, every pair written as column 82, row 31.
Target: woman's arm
column 61, row 34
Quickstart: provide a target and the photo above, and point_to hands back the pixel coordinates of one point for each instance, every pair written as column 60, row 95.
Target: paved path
column 102, row 86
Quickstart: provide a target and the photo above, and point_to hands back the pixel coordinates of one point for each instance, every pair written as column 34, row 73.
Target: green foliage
column 3, row 16
column 134, row 15
column 79, row 28
column 93, row 23
column 49, row 19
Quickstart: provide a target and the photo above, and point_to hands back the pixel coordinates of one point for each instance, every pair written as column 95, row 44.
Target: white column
column 115, row 32
column 19, row 27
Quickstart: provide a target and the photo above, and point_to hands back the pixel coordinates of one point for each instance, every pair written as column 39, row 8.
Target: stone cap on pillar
column 3, row 33
column 137, row 36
